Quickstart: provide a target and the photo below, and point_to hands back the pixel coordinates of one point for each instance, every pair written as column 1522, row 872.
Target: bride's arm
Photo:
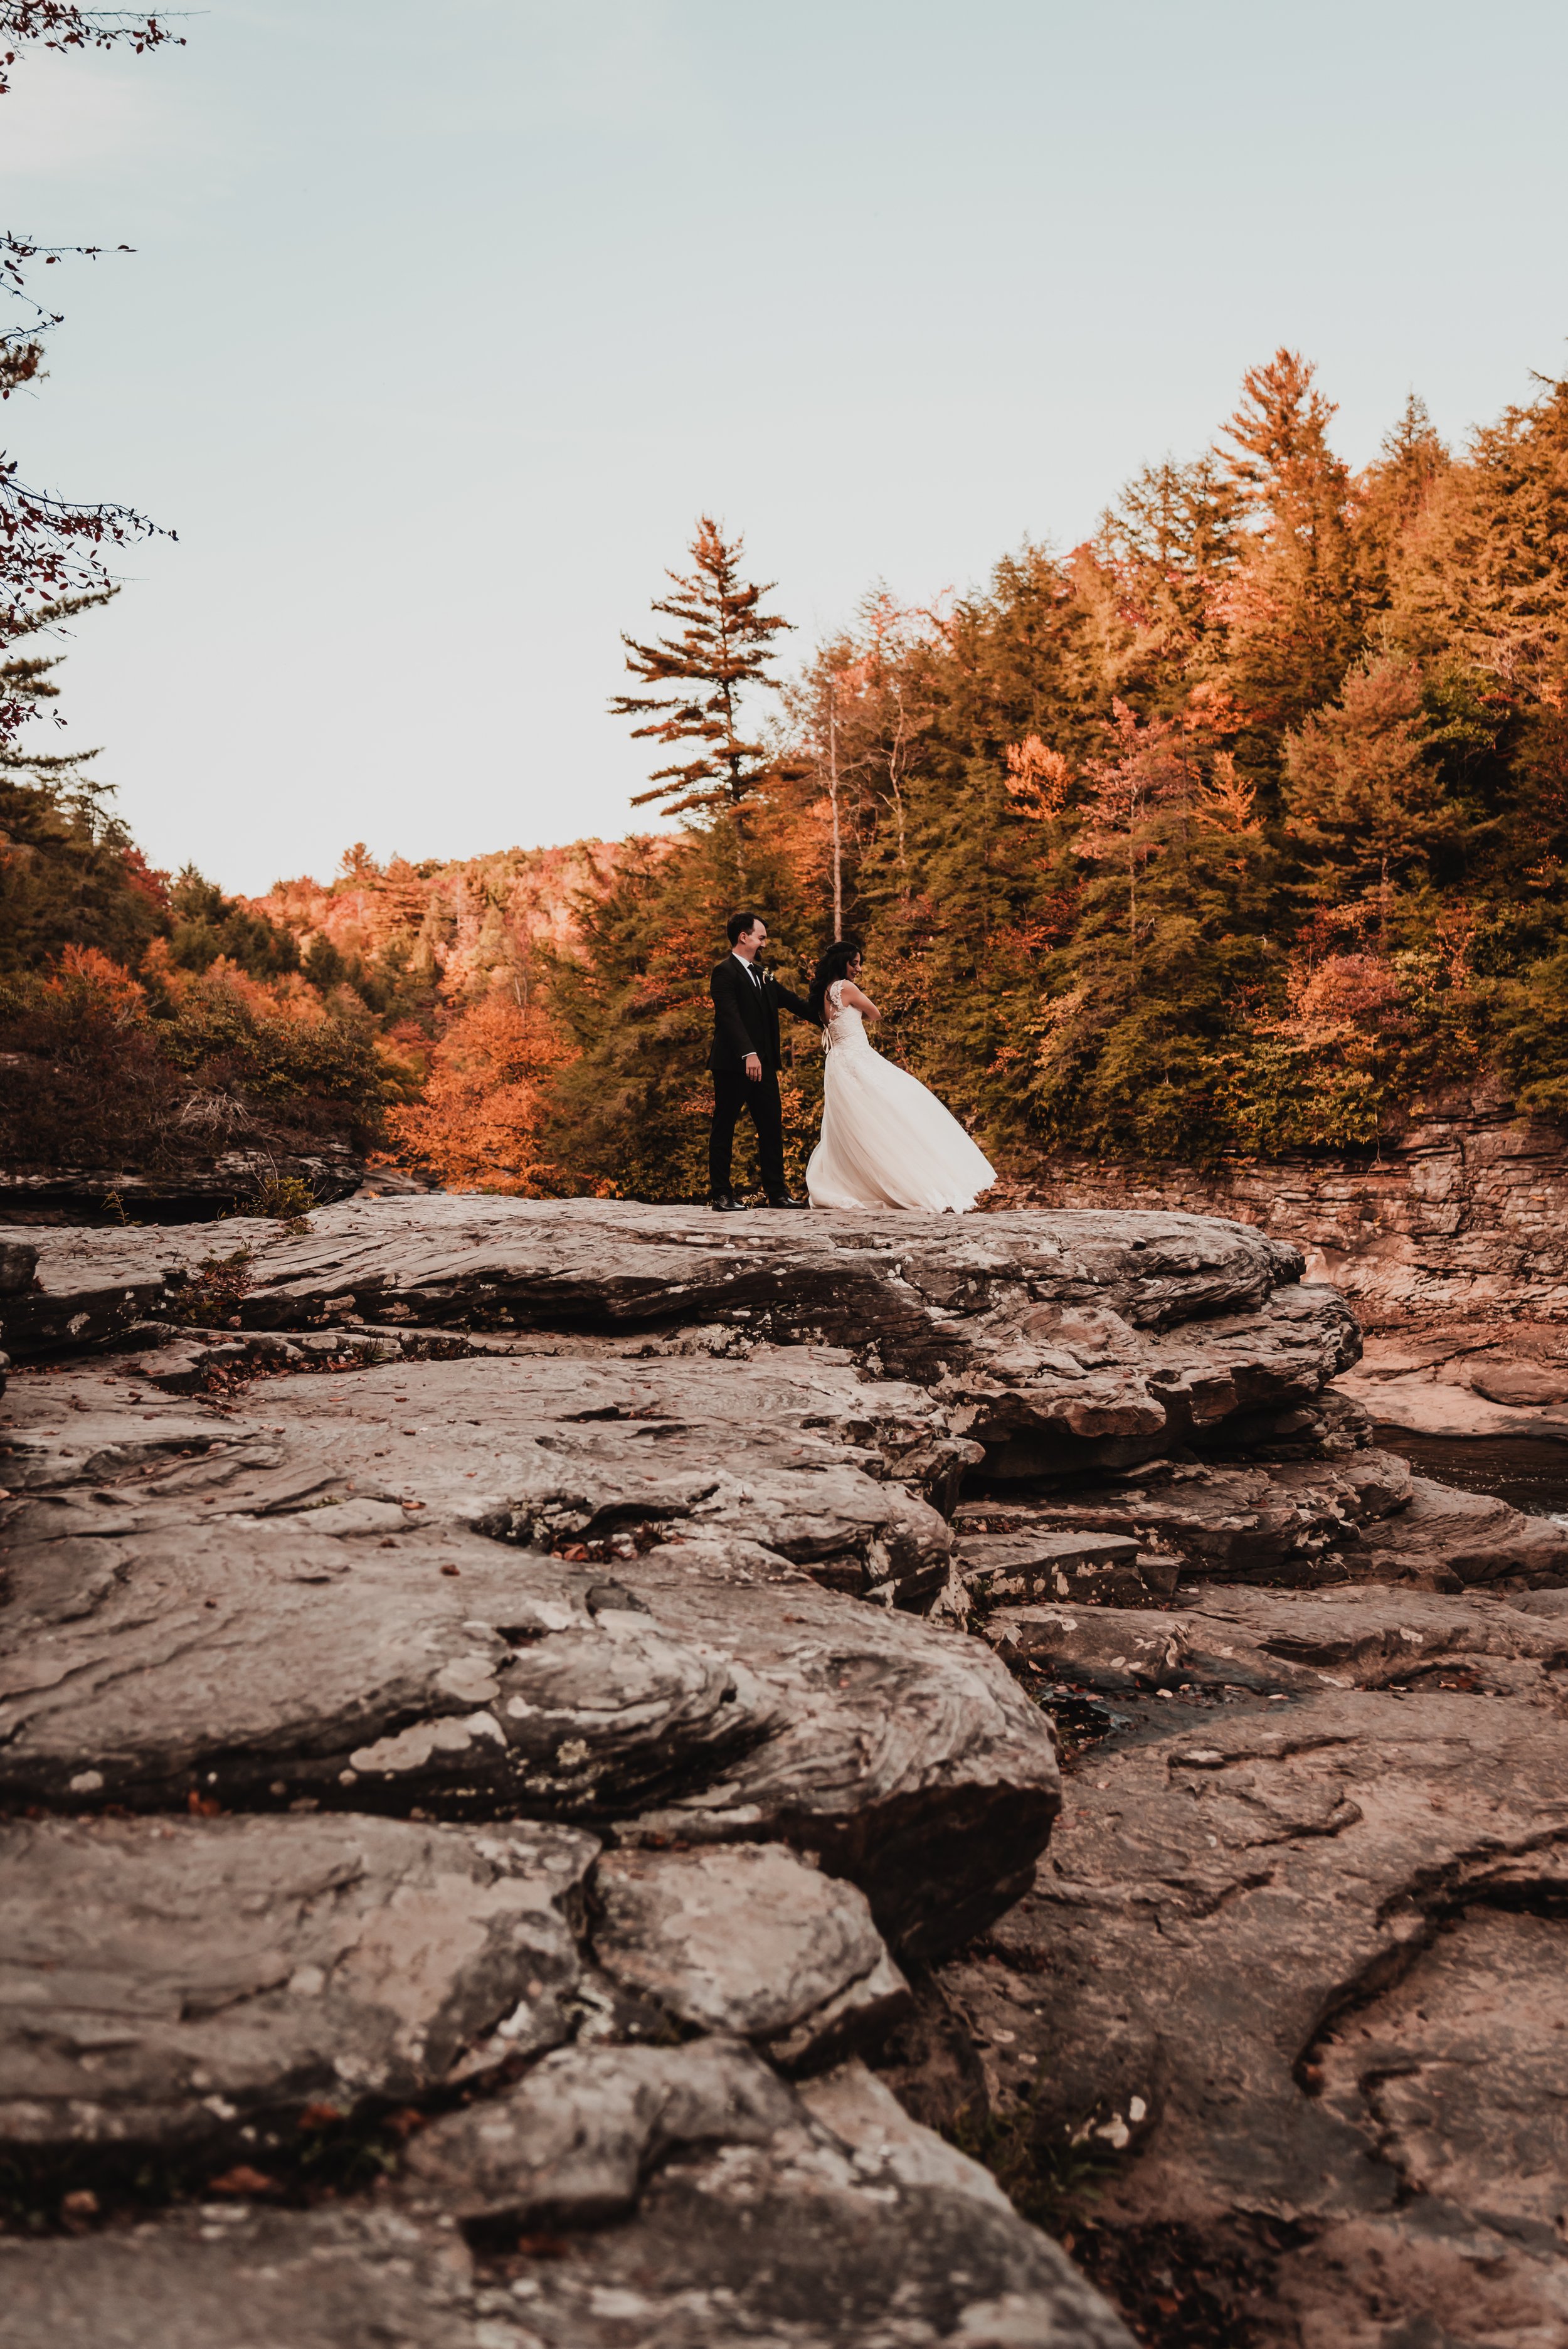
column 857, row 1000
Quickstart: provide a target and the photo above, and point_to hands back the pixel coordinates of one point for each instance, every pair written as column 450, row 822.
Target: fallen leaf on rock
column 243, row 2179
column 317, row 2116
column 406, row 2122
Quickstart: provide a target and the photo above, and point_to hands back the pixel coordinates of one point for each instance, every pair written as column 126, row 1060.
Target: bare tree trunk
column 895, row 767
column 834, row 802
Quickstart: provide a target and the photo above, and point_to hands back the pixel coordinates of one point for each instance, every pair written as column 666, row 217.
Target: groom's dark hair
column 739, row 923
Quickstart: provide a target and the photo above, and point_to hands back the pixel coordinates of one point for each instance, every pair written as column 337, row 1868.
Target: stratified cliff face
column 563, row 1708
column 1464, row 1217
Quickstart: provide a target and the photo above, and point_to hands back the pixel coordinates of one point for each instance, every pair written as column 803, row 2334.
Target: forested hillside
column 1238, row 829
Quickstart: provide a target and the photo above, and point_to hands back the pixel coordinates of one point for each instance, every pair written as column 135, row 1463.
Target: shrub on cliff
column 105, row 1071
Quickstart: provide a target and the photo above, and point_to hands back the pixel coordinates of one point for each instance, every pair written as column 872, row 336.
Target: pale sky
column 445, row 322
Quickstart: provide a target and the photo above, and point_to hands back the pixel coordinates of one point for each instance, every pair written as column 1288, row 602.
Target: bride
column 886, row 1142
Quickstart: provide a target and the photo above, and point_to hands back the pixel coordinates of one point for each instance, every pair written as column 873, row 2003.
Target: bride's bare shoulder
column 857, row 999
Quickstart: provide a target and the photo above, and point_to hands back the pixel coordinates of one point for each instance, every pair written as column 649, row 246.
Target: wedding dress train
column 886, row 1142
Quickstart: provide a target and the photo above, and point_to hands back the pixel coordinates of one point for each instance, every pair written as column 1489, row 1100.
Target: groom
column 745, row 1061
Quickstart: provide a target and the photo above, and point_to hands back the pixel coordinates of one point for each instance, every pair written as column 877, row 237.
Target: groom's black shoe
column 725, row 1203
column 784, row 1199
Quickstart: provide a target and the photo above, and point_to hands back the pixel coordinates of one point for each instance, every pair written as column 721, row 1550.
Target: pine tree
column 725, row 645
column 1486, row 571
column 1157, row 572
column 1392, row 495
column 1366, row 806
column 1167, row 939
column 1292, row 606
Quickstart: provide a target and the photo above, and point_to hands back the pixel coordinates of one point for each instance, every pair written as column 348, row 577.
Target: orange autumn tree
column 479, row 1124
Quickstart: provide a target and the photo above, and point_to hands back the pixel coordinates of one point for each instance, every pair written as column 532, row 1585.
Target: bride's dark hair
column 835, row 964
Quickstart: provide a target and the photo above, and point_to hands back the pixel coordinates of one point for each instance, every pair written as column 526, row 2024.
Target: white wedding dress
column 886, row 1142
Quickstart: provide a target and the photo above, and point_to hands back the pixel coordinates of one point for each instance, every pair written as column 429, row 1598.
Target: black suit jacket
column 746, row 1015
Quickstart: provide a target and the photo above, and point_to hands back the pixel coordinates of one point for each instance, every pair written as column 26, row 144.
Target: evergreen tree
column 1155, row 574
column 206, row 925
column 1391, row 496
column 1168, row 941
column 1367, row 809
column 725, row 645
column 632, row 1006
column 1292, row 605
column 1486, row 574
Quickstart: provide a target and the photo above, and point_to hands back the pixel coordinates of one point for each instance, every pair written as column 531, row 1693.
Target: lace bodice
column 844, row 1028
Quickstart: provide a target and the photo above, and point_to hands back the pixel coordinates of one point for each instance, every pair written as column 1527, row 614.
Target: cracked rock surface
column 1290, row 1977
column 508, row 1708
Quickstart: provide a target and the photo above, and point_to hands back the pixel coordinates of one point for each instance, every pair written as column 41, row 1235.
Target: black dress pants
column 733, row 1091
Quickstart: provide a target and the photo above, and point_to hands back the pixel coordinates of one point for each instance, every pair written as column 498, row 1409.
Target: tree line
column 1238, row 829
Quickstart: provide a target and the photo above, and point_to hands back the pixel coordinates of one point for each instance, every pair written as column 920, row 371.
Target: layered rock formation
column 1463, row 1216
column 508, row 1709
column 228, row 1180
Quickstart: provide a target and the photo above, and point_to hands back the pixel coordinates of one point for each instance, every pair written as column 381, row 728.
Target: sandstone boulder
column 748, row 1942
column 1293, row 1524
column 166, row 1983
column 1061, row 1341
column 1349, row 1636
column 248, row 1610
column 778, row 2220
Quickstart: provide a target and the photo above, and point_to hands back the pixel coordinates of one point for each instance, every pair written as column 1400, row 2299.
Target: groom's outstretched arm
column 792, row 1003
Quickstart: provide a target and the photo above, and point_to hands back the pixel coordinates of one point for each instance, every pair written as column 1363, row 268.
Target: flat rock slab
column 303, row 1607
column 1062, row 1338
column 165, row 1981
column 1525, row 1385
column 1268, row 1974
column 540, row 1451
column 1355, row 1636
column 1446, row 1539
column 1471, row 1379
column 1098, row 1568
column 747, row 1941
column 533, row 1452
column 230, row 2278
column 1293, row 1524
column 440, row 1256
column 1251, row 1520
column 781, row 2221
